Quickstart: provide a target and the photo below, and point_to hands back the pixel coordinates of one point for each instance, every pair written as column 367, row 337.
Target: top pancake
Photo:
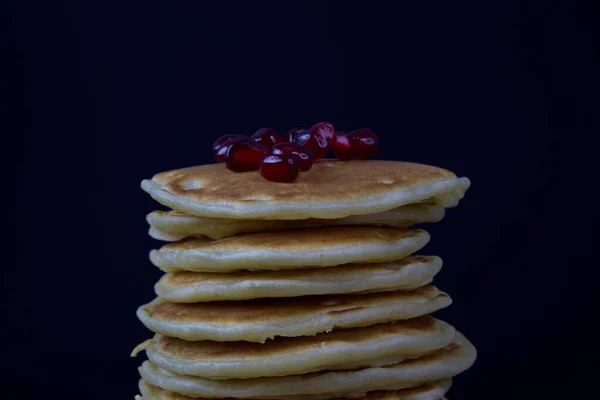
column 331, row 189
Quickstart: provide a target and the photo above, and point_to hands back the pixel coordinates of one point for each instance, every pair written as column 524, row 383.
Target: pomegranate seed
column 341, row 147
column 298, row 135
column 221, row 145
column 363, row 144
column 323, row 136
column 280, row 167
column 306, row 158
column 245, row 155
column 318, row 139
column 267, row 137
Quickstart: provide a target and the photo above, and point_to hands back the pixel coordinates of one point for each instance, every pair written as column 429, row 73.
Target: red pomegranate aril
column 318, row 139
column 283, row 168
column 298, row 135
column 324, row 129
column 341, row 147
column 322, row 138
column 306, row 157
column 221, row 145
column 245, row 155
column 267, row 137
column 363, row 144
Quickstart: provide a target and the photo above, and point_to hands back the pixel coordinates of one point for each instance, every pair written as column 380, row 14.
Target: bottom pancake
column 428, row 391
column 439, row 365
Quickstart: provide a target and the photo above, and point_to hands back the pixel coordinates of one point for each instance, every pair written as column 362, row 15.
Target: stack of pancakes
column 304, row 290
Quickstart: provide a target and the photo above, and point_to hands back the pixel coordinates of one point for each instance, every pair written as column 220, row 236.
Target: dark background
column 100, row 95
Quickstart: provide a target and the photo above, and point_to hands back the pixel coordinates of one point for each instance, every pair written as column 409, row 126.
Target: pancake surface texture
column 376, row 345
column 429, row 391
column 439, row 365
column 331, row 189
column 406, row 274
column 318, row 247
column 173, row 225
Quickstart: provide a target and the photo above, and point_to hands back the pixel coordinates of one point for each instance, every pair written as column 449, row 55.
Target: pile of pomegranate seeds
column 281, row 160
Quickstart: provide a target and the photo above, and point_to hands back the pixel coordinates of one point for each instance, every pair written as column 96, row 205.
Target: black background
column 100, row 96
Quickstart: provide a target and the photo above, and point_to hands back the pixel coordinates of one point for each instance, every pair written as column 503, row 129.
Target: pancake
column 318, row 247
column 331, row 189
column 428, row 391
column 376, row 345
column 439, row 365
column 258, row 320
column 191, row 287
column 173, row 225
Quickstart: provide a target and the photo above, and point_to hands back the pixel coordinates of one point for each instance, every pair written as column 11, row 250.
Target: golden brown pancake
column 331, row 189
column 428, row 391
column 191, row 287
column 439, row 365
column 376, row 345
column 300, row 248
column 258, row 320
column 172, row 225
